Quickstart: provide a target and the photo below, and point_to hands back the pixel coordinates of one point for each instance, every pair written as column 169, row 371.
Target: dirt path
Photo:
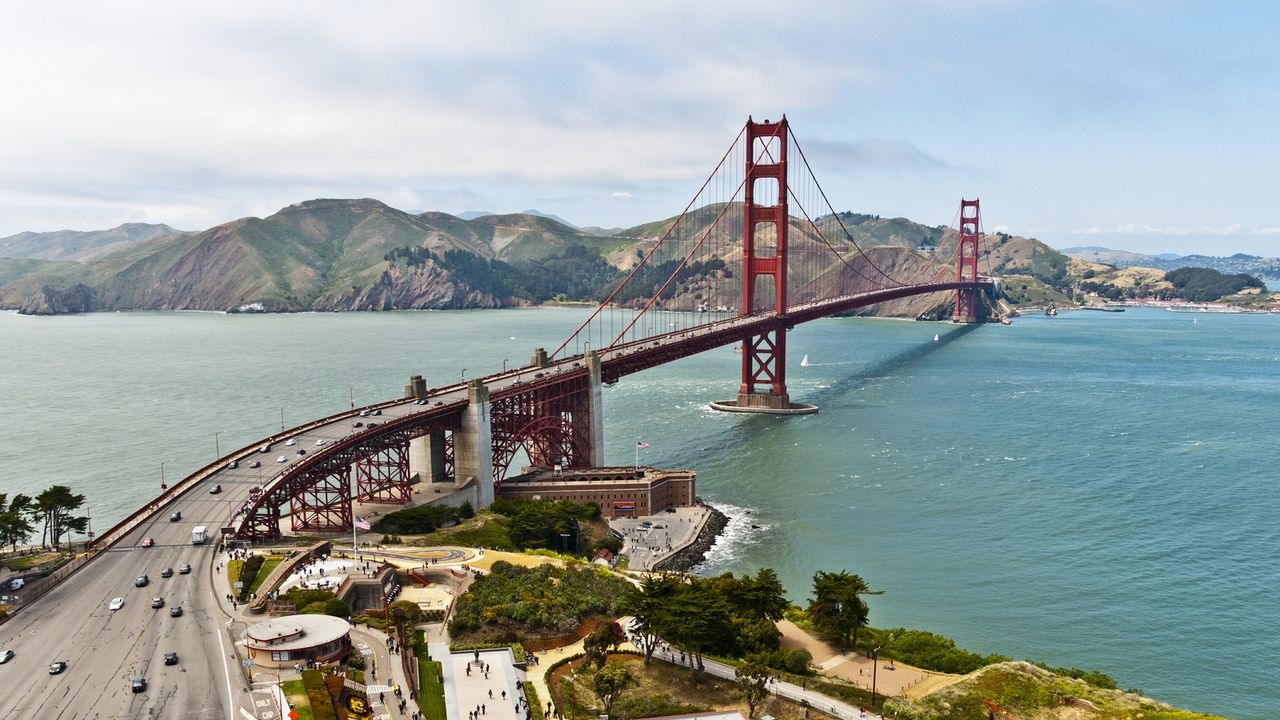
column 893, row 679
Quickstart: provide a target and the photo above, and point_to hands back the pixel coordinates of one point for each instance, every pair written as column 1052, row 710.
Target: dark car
column 175, row 516
column 139, row 685
column 141, row 581
column 357, row 424
column 184, row 569
column 166, row 573
column 175, row 611
column 255, row 464
column 171, row 658
column 157, row 602
column 215, row 489
column 56, row 668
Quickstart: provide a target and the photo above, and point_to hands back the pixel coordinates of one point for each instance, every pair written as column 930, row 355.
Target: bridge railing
column 137, row 517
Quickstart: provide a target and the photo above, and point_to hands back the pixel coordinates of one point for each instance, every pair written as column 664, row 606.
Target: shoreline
column 694, row 553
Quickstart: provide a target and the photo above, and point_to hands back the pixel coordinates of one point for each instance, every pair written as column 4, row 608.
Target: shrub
column 248, row 572
column 542, row 598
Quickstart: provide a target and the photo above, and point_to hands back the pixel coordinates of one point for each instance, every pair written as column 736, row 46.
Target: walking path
column 892, row 679
column 479, row 684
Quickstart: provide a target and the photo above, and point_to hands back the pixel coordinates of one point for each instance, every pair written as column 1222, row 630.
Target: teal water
column 1095, row 489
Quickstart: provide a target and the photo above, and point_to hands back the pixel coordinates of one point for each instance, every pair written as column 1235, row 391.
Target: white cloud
column 1174, row 230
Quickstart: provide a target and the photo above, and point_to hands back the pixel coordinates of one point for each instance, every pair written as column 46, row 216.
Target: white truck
column 199, row 534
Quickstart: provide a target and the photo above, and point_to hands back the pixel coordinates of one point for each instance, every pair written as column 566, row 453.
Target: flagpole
column 354, row 547
column 637, row 455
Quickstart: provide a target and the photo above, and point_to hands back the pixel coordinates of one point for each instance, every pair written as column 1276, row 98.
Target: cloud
column 620, row 195
column 1266, row 231
column 874, row 155
column 1173, row 230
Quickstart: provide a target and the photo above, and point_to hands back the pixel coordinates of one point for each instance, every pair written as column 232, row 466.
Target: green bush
column 543, row 598
column 422, row 519
column 356, row 661
column 248, row 573
column 336, row 608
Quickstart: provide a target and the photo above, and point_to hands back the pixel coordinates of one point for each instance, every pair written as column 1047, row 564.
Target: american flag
column 641, row 445
column 362, row 524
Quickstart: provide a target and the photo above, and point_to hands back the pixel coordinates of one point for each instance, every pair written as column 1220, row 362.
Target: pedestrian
column 490, row 693
column 504, row 694
column 483, row 709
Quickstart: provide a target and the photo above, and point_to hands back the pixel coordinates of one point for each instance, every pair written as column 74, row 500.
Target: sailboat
column 804, row 361
column 935, row 337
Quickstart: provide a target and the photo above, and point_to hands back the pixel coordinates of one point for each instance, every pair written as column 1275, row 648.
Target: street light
column 504, row 364
column 281, row 418
column 351, row 393
column 464, row 374
column 162, row 485
column 874, row 664
column 217, row 451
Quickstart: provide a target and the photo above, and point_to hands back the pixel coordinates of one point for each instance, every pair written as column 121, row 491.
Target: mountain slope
column 78, row 245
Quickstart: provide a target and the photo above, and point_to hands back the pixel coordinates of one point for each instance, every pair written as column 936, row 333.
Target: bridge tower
column 968, row 308
column 765, row 216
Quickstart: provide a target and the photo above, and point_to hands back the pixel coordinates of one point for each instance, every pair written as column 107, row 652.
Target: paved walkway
column 468, row 689
column 666, row 534
column 891, row 679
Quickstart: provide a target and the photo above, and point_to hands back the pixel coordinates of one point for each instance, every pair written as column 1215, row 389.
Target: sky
column 1143, row 126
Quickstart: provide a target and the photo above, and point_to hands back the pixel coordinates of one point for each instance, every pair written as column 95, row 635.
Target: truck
column 199, row 534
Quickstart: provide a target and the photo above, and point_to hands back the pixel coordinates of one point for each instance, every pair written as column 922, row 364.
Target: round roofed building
column 293, row 639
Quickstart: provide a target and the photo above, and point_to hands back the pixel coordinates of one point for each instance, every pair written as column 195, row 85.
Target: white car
column 290, row 442
column 116, row 603
column 321, row 442
column 282, row 459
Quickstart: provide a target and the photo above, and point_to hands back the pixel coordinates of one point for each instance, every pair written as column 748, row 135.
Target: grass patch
column 484, row 530
column 296, row 695
column 431, row 699
column 233, row 571
column 263, row 572
column 318, row 696
column 26, row 562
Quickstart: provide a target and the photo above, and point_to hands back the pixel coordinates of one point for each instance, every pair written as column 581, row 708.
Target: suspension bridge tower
column 968, row 309
column 765, row 218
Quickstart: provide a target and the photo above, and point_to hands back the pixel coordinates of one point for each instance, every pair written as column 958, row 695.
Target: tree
column 837, row 607
column 54, row 506
column 595, row 648
column 647, row 605
column 408, row 612
column 609, row 682
column 16, row 520
column 753, row 681
column 698, row 618
column 764, row 595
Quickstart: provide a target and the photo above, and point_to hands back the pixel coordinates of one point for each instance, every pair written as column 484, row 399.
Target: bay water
column 1096, row 489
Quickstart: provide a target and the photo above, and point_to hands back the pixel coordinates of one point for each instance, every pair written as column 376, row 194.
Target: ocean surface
column 1096, row 490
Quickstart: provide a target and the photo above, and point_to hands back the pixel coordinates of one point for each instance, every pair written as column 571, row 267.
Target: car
column 184, row 569
column 372, row 425
column 5, row 656
column 175, row 516
column 17, row 583
column 166, row 573
column 377, row 412
column 175, row 611
column 141, row 581
column 255, row 464
column 56, row 668
column 255, row 490
column 171, row 658
column 148, row 542
column 282, row 459
column 364, row 413
column 215, row 489
column 233, row 464
column 291, row 442
column 357, row 423
column 138, row 685
column 321, row 442
column 265, row 448
column 157, row 603
column 302, row 451
column 116, row 603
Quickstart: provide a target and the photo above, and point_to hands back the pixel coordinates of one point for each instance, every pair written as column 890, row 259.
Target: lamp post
column 504, row 364
column 351, row 394
column 874, row 665
column 281, row 418
column 464, row 374
column 217, row 450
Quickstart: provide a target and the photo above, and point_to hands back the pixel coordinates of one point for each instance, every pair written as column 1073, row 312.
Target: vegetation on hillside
column 513, row 602
column 423, row 518
column 1205, row 285
column 54, row 508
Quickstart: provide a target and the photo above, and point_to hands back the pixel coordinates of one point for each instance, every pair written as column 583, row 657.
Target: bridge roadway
column 105, row 649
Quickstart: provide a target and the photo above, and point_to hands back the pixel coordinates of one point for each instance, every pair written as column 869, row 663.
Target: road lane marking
column 231, row 703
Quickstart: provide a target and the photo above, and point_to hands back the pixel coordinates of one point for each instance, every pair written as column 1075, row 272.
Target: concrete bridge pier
column 594, row 410
column 473, row 443
column 426, row 453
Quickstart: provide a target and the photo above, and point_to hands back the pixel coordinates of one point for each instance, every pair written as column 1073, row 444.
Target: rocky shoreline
column 695, row 552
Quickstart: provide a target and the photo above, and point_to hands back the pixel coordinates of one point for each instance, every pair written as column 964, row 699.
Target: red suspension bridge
column 758, row 250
